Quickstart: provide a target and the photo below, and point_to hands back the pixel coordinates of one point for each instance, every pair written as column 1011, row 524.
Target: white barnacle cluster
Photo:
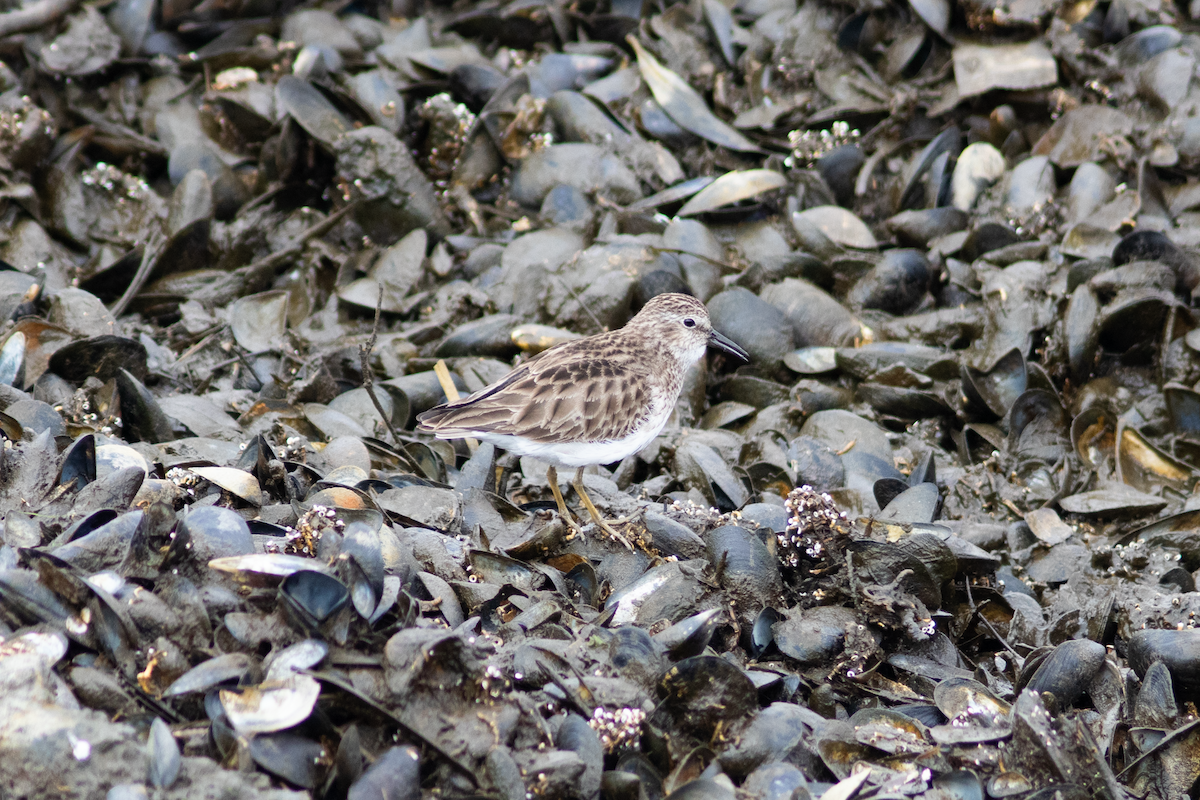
column 493, row 684
column 302, row 540
column 111, row 179
column 813, row 517
column 617, row 729
column 443, row 107
column 14, row 121
column 185, row 479
column 449, row 123
column 808, row 146
column 103, row 176
column 292, row 449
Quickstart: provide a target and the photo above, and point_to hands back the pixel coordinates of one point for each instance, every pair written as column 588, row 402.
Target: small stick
column 257, row 273
column 368, row 382
column 443, row 376
column 149, row 260
column 192, row 84
column 268, row 195
column 197, row 347
column 106, row 126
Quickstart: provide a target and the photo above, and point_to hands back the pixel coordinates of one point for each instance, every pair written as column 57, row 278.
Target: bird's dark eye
column 689, row 323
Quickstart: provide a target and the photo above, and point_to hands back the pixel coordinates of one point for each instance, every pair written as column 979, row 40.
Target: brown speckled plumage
column 602, row 389
column 589, row 390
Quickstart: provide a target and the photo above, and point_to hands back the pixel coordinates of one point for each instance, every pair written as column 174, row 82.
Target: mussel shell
column 1000, row 386
column 1134, row 320
column 883, row 562
column 689, row 637
column 1156, row 706
column 747, row 570
column 1144, row 466
column 584, row 585
column 227, row 668
column 79, row 462
column 815, row 635
column 967, row 698
column 761, row 634
column 890, row 731
column 916, row 504
column 1067, row 670
column 296, row 759
column 396, row 775
column 895, row 284
column 631, row 644
column 312, row 597
column 1082, row 330
column 1183, row 408
column 1178, row 650
column 705, row 691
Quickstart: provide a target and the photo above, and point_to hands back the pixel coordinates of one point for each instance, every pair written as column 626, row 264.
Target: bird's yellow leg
column 591, row 507
column 552, row 477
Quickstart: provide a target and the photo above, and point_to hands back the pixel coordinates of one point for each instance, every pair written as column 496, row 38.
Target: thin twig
column 192, row 84
column 259, row 272
column 206, row 336
column 977, row 613
column 149, row 260
column 266, row 196
column 368, row 382
column 575, row 296
column 34, row 15
column 108, row 127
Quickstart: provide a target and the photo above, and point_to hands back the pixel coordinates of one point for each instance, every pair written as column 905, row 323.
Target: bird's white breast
column 586, row 454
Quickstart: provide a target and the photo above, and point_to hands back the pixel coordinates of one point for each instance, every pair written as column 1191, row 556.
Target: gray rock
column 427, row 505
column 487, row 336
column 579, row 119
column 81, row 313
column 374, row 160
column 1189, row 140
column 700, row 271
column 671, row 537
column 816, row 318
column 48, row 742
column 596, row 290
column 568, row 207
column 815, row 464
column 525, row 268
column 759, row 327
column 1164, row 80
column 482, row 258
column 869, row 456
column 770, row 736
column 587, row 167
column 760, row 240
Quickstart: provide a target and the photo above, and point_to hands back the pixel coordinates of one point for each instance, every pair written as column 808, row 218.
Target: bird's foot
column 601, row 523
column 615, row 534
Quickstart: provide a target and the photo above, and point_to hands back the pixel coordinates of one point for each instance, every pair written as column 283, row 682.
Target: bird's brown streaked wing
column 579, row 399
column 443, row 415
column 446, row 415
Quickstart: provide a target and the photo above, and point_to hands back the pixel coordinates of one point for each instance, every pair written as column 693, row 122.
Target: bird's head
column 681, row 323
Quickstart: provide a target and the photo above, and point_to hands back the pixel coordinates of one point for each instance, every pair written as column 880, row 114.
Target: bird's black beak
column 724, row 343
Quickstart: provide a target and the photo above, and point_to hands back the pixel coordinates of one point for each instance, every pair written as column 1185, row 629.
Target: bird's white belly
column 582, row 454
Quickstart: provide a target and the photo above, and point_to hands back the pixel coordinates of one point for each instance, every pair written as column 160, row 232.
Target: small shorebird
column 589, row 401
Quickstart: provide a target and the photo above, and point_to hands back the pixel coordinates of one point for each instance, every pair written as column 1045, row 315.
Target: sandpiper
column 589, row 401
